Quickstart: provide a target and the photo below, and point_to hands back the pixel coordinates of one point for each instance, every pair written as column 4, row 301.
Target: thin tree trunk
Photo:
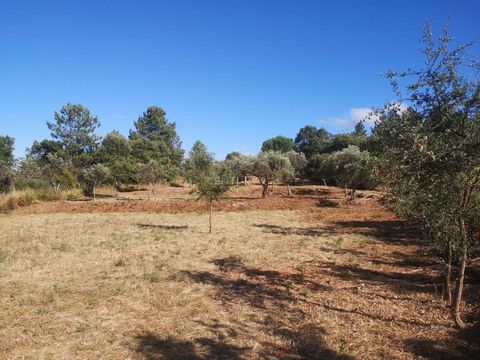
column 265, row 188
column 289, row 190
column 94, row 193
column 460, row 277
column 447, row 290
column 346, row 190
column 210, row 217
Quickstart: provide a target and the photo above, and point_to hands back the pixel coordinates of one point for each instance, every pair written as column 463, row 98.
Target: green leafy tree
column 240, row 165
column 299, row 163
column 40, row 150
column 430, row 153
column 199, row 164
column 270, row 166
column 115, row 152
column 92, row 176
column 58, row 172
column 211, row 180
column 155, row 137
column 211, row 188
column 154, row 172
column 360, row 130
column 6, row 162
column 278, row 143
column 6, row 151
column 74, row 127
column 352, row 168
column 343, row 141
column 311, row 140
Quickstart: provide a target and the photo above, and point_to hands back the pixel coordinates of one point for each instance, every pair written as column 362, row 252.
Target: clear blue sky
column 231, row 73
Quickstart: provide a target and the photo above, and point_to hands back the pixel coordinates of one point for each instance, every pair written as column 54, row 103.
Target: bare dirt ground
column 309, row 277
column 176, row 200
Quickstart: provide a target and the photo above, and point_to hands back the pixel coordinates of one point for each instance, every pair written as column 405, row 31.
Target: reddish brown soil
column 241, row 199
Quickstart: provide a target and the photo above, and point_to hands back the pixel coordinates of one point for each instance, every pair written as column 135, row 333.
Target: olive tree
column 58, row 172
column 240, row 165
column 92, row 176
column 352, row 168
column 299, row 163
column 270, row 166
column 430, row 153
column 211, row 187
column 211, row 180
column 154, row 172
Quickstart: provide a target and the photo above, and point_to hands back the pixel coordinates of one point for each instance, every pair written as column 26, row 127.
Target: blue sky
column 231, row 73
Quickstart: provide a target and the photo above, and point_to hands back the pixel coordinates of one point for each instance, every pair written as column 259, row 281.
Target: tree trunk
column 447, row 289
column 210, row 217
column 245, row 181
column 346, row 190
column 265, row 188
column 94, row 192
column 289, row 190
column 460, row 277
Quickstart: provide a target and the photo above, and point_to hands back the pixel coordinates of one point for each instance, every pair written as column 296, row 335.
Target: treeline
column 76, row 157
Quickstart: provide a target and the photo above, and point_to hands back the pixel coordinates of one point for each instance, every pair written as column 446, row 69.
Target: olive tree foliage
column 348, row 168
column 156, row 171
column 270, row 166
column 352, row 169
column 212, row 187
column 58, row 172
column 298, row 162
column 6, row 163
column 240, row 166
column 92, row 176
column 431, row 153
column 211, row 180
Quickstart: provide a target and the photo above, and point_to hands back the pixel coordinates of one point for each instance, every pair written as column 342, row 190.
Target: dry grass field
column 280, row 278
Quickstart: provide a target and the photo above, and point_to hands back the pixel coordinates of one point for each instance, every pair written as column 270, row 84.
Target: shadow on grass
column 396, row 232
column 163, row 227
column 400, row 282
column 152, row 347
column 467, row 348
column 266, row 290
column 285, row 230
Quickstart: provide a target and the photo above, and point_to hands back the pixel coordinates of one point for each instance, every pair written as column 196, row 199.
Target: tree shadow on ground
column 467, row 348
column 285, row 230
column 257, row 287
column 163, row 227
column 151, row 347
column 267, row 290
column 312, row 192
column 399, row 282
column 396, row 232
